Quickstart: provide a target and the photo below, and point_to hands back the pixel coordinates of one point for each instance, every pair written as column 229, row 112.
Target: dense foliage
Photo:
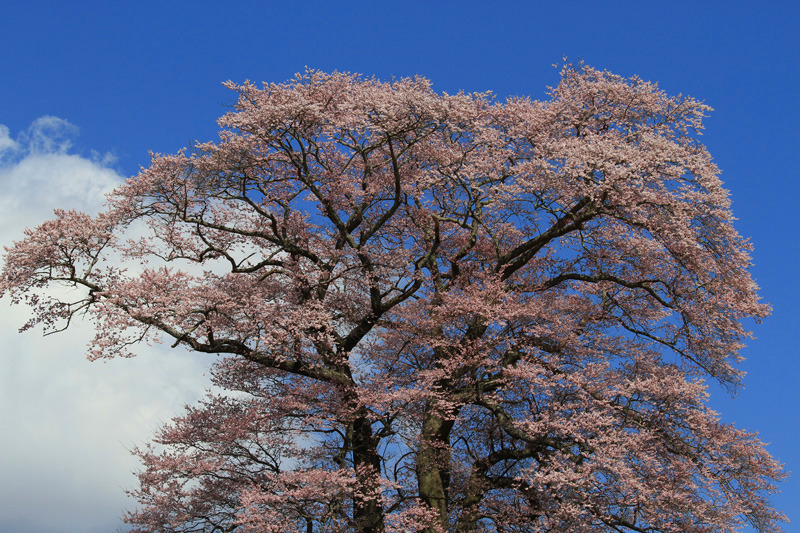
column 433, row 312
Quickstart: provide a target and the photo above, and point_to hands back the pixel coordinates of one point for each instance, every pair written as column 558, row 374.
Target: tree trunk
column 368, row 514
column 468, row 519
column 433, row 465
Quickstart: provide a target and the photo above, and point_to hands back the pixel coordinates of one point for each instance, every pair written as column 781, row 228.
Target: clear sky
column 87, row 88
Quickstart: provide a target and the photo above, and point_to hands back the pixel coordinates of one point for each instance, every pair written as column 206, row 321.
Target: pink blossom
column 434, row 312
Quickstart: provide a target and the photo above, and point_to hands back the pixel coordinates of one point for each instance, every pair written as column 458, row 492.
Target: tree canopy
column 433, row 312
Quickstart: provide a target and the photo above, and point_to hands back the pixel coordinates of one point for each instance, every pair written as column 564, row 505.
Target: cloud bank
column 66, row 423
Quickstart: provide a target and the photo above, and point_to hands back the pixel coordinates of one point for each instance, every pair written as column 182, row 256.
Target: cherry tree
column 432, row 312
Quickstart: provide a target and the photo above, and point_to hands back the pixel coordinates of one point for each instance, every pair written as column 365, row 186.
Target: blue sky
column 87, row 89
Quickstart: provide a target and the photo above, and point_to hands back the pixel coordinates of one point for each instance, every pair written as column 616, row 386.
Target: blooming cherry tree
column 432, row 312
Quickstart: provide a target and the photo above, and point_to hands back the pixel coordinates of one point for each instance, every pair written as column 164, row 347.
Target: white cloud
column 37, row 175
column 66, row 422
column 6, row 142
column 49, row 135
